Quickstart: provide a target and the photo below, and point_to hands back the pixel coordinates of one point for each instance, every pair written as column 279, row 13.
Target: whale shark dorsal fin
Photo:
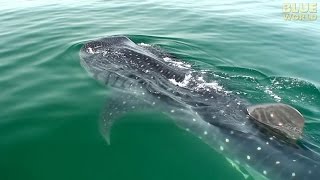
column 281, row 119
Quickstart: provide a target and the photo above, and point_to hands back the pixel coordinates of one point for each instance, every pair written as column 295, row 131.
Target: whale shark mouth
column 260, row 138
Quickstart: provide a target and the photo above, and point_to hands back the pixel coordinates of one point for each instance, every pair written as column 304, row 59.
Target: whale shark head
column 120, row 58
column 106, row 55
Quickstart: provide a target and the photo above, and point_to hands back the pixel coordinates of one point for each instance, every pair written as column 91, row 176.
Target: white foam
column 177, row 63
column 143, row 44
column 208, row 86
column 272, row 94
column 183, row 83
column 202, row 84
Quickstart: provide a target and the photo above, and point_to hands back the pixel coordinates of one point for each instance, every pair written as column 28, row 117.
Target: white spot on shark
column 90, row 50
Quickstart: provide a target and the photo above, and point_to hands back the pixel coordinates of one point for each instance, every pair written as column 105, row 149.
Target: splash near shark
column 260, row 138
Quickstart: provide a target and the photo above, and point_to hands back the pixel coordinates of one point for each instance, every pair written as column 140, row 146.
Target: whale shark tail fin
column 280, row 119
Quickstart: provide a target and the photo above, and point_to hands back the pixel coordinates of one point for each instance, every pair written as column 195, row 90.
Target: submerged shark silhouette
column 145, row 77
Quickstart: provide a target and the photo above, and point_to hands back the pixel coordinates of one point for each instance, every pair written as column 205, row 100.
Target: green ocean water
column 50, row 107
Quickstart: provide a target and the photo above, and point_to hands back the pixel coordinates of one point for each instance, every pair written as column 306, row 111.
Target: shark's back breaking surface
column 144, row 77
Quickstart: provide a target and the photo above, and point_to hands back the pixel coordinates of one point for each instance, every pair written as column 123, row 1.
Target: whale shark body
column 143, row 77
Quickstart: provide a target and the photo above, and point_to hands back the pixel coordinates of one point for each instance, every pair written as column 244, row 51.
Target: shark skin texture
column 143, row 77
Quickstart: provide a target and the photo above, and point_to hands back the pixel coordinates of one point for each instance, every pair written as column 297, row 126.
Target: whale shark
column 263, row 139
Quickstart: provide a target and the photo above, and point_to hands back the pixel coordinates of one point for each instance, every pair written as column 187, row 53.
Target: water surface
column 49, row 106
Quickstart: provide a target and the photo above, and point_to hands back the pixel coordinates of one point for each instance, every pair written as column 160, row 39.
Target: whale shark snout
column 106, row 44
column 105, row 52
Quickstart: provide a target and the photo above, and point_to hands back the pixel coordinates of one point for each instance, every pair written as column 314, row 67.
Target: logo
column 300, row 11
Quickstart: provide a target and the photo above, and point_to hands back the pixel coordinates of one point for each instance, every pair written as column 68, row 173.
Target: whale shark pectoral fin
column 121, row 102
column 118, row 104
column 281, row 119
column 238, row 168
